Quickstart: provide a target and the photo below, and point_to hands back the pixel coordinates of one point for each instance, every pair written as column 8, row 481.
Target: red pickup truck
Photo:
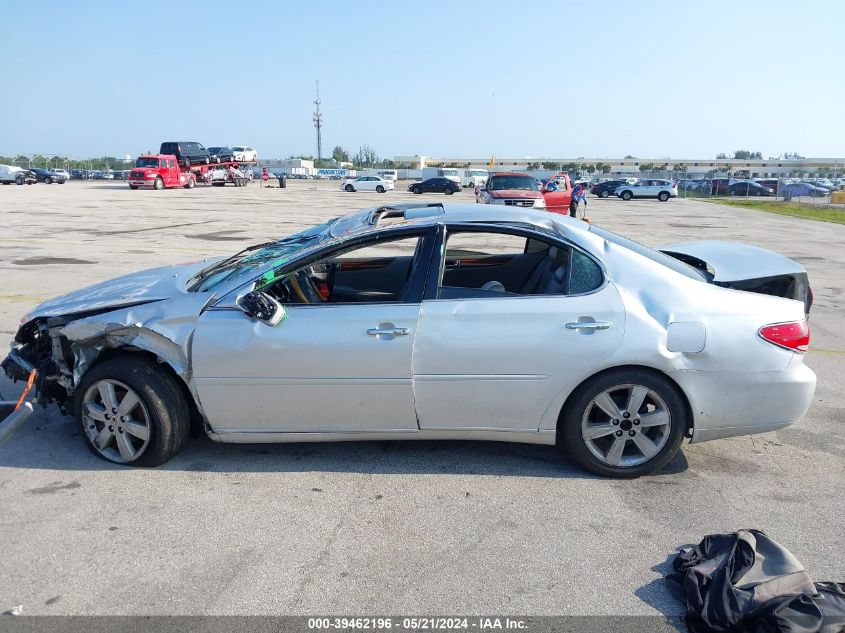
column 160, row 171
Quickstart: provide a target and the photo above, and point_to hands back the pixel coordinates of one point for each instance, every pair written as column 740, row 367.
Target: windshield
column 255, row 257
column 655, row 256
column 476, row 172
column 499, row 183
column 146, row 162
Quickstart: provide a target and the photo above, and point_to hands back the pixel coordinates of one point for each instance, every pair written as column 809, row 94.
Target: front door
column 514, row 327
column 340, row 361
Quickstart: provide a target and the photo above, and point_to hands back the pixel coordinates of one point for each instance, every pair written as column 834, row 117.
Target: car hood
column 154, row 284
column 735, row 261
column 516, row 193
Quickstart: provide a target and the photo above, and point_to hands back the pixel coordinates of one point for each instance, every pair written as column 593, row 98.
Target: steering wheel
column 309, row 291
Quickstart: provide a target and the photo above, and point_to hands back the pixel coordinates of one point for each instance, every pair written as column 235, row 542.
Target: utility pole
column 318, row 123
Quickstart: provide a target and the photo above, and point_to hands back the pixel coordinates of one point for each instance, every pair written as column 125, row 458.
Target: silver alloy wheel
column 626, row 425
column 116, row 421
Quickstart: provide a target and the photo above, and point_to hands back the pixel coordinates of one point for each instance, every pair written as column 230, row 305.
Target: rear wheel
column 627, row 195
column 349, row 188
column 48, row 180
column 159, row 183
column 663, row 196
column 380, row 189
column 417, row 190
column 625, row 423
column 190, row 184
column 448, row 191
column 604, row 193
column 131, row 412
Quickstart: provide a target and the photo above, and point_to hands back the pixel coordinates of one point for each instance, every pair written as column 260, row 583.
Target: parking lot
column 382, row 527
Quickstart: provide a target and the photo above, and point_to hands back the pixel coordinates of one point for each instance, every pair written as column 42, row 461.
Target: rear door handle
column 588, row 325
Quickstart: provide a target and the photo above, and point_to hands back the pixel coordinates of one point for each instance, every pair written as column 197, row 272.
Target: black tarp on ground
column 747, row 582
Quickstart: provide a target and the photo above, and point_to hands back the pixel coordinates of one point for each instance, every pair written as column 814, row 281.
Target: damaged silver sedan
column 434, row 321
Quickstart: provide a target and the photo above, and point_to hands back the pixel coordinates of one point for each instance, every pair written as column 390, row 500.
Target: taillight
column 794, row 336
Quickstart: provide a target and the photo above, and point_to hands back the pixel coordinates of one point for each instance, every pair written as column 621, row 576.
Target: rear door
column 510, row 328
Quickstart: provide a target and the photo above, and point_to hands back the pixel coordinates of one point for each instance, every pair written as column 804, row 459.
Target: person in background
column 579, row 194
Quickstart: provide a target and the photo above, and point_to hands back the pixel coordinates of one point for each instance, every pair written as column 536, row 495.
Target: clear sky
column 607, row 78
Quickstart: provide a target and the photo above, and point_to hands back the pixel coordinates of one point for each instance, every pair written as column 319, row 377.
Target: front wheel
column 133, row 186
column 604, row 193
column 189, row 184
column 627, row 195
column 159, row 183
column 380, row 189
column 48, row 180
column 624, row 423
column 663, row 196
column 19, row 180
column 131, row 412
column 349, row 188
column 417, row 190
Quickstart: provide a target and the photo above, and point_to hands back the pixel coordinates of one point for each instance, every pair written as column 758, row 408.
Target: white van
column 474, row 177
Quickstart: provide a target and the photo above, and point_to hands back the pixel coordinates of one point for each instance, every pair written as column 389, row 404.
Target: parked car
column 159, row 171
column 802, row 189
column 435, row 185
column 367, row 183
column 221, row 154
column 186, row 152
column 245, row 154
column 749, row 188
column 818, row 185
column 61, row 172
column 564, row 333
column 649, row 188
column 720, row 186
column 513, row 189
column 12, row 174
column 607, row 188
column 47, row 176
column 771, row 183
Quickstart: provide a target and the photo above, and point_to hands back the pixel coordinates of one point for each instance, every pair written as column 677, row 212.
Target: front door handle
column 588, row 325
column 394, row 331
column 388, row 331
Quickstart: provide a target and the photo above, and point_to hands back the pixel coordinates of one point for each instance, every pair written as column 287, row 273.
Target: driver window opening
column 375, row 272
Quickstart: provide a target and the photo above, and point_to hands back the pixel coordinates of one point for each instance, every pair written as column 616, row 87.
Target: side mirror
column 482, row 187
column 262, row 307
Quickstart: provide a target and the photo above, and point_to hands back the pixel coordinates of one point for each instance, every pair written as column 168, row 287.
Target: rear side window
column 489, row 265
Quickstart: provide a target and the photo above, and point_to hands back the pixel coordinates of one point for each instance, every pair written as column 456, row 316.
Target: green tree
column 547, row 164
column 366, row 157
column 721, row 156
column 647, row 167
column 340, row 154
column 679, row 167
column 629, row 157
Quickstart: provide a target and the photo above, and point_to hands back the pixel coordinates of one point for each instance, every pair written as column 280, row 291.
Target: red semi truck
column 163, row 171
column 160, row 171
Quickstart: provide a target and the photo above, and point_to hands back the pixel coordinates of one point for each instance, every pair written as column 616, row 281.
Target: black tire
column 207, row 160
column 627, row 195
column 190, row 184
column 133, row 186
column 48, row 180
column 19, row 180
column 604, row 193
column 380, row 189
column 159, row 183
column 416, row 190
column 569, row 425
column 160, row 395
column 663, row 196
column 349, row 188
column 448, row 191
